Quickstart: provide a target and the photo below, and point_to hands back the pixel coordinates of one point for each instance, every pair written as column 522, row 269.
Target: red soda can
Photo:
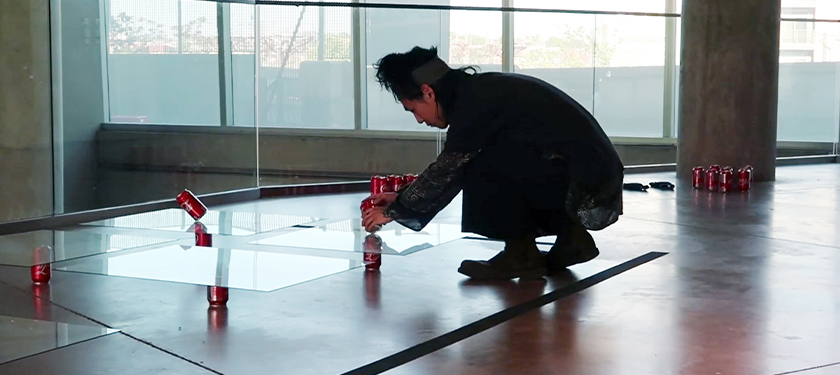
column 409, row 179
column 203, row 239
column 726, row 181
column 712, row 179
column 743, row 179
column 749, row 170
column 715, row 167
column 367, row 204
column 697, row 177
column 395, row 183
column 41, row 273
column 191, row 204
column 217, row 295
column 372, row 252
column 378, row 184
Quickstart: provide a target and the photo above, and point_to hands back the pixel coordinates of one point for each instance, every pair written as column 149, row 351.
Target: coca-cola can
column 743, row 179
column 712, row 179
column 190, row 203
column 367, row 204
column 41, row 273
column 378, row 184
column 409, row 179
column 203, row 239
column 217, row 295
column 697, row 177
column 726, row 180
column 395, row 183
column 372, row 252
column 749, row 170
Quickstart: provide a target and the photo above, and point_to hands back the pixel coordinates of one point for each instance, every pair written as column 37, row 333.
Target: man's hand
column 373, row 219
column 383, row 199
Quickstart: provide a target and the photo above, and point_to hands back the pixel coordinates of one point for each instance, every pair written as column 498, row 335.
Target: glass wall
column 148, row 95
column 809, row 85
column 156, row 96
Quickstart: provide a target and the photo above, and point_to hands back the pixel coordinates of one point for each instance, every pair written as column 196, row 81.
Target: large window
column 155, row 96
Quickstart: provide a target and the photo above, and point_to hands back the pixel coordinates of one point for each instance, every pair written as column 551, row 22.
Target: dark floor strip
column 491, row 321
column 809, row 369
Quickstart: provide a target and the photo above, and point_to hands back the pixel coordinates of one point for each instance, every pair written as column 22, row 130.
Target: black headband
column 430, row 72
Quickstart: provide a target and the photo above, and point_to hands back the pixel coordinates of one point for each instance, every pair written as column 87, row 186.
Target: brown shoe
column 574, row 247
column 520, row 259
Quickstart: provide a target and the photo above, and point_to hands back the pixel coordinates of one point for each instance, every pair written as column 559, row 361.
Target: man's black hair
column 393, row 72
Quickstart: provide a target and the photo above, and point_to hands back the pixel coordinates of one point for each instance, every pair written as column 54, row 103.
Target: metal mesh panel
column 290, row 36
column 162, row 27
column 199, row 27
column 242, row 28
column 149, row 26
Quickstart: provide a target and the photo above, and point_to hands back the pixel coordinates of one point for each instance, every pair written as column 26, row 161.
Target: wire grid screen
column 340, row 226
column 162, row 27
column 290, row 36
column 242, row 18
column 199, row 27
column 136, row 27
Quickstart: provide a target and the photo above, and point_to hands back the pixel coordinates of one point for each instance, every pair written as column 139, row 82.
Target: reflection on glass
column 305, row 77
column 25, row 337
column 27, row 249
column 398, row 30
column 630, row 75
column 809, row 53
column 216, row 222
column 348, row 235
column 558, row 48
column 475, row 37
column 129, row 66
column 646, row 6
column 462, row 38
column 240, row 269
column 163, row 64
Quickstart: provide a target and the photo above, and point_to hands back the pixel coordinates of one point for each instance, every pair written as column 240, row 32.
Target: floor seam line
column 119, row 330
column 56, row 349
column 809, row 369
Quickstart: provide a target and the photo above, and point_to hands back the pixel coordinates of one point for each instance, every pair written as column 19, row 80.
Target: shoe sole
column 529, row 274
column 571, row 261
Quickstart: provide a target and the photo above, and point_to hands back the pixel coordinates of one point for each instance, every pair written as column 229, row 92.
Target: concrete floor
column 739, row 283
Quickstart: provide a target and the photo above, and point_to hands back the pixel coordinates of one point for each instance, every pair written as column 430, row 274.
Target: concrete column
column 729, row 85
column 25, row 110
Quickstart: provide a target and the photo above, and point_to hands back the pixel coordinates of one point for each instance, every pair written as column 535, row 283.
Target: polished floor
column 688, row 282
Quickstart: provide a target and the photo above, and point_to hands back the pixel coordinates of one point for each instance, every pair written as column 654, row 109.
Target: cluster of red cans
column 378, row 185
column 721, row 179
column 391, row 183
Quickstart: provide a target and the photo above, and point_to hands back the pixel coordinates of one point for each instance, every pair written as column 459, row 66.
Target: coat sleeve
column 418, row 203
